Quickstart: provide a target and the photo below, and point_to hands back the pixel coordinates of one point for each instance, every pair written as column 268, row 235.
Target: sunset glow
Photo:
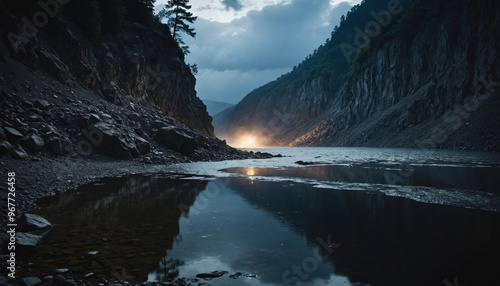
column 246, row 141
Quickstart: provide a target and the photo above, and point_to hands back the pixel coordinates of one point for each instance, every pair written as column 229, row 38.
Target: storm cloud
column 238, row 56
column 232, row 4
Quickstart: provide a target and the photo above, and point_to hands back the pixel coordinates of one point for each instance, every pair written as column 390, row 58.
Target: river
column 340, row 216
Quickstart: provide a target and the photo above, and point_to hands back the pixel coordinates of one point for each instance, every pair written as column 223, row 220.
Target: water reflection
column 129, row 221
column 453, row 177
column 273, row 233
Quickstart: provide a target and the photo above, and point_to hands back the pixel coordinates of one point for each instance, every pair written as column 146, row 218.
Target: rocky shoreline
column 58, row 134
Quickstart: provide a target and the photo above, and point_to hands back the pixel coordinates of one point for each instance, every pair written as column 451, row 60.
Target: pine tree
column 178, row 17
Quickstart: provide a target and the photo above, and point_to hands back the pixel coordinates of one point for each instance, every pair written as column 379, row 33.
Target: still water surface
column 276, row 232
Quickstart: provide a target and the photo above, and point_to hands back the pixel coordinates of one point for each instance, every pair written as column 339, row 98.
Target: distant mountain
column 214, row 107
column 407, row 73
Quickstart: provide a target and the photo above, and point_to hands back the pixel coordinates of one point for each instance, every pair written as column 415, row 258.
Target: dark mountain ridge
column 416, row 74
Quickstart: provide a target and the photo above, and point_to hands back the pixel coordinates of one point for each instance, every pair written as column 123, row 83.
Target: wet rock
column 177, row 139
column 33, row 141
column 30, row 281
column 18, row 153
column 59, row 145
column 27, row 243
column 211, row 275
column 32, row 222
column 5, row 147
column 12, row 134
column 61, row 271
column 70, row 282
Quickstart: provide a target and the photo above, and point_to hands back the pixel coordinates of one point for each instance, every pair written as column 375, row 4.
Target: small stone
column 91, row 254
column 93, row 119
column 41, row 103
column 70, row 282
column 12, row 134
column 30, row 281
column 61, row 271
column 2, row 135
column 5, row 147
column 18, row 153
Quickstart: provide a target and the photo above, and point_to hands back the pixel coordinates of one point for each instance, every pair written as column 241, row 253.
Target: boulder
column 32, row 222
column 60, row 145
column 27, row 243
column 33, row 141
column 113, row 142
column 177, row 139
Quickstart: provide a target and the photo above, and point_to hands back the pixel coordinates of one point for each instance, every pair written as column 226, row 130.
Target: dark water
column 158, row 228
column 448, row 177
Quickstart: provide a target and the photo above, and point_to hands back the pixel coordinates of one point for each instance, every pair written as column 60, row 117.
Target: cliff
column 428, row 79
column 126, row 94
column 137, row 62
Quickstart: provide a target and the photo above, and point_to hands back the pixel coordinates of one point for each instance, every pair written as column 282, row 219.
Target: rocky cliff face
column 137, row 62
column 129, row 95
column 434, row 87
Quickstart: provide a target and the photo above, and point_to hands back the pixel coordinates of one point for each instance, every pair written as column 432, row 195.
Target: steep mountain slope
column 124, row 94
column 214, row 107
column 416, row 74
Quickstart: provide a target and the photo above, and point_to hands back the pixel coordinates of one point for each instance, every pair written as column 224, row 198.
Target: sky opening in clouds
column 243, row 44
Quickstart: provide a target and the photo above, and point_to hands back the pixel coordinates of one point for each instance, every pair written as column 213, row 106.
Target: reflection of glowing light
column 250, row 171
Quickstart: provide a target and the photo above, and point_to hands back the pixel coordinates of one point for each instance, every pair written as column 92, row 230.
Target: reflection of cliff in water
column 129, row 221
column 386, row 240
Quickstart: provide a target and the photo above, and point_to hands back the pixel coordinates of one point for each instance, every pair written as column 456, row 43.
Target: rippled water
column 281, row 224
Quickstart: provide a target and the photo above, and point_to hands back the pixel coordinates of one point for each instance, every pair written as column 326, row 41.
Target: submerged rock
column 27, row 243
column 211, row 275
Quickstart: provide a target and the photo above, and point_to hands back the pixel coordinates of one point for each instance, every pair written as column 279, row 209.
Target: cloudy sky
column 243, row 44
